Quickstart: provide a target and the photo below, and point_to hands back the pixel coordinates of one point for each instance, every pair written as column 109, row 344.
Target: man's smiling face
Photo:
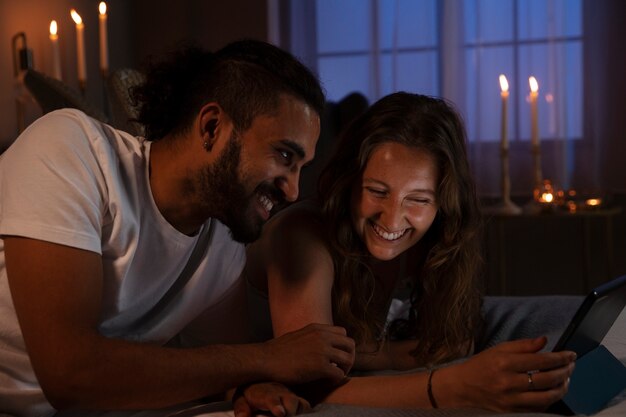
column 260, row 167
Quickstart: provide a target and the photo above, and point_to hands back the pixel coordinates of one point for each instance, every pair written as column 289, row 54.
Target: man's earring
column 207, row 146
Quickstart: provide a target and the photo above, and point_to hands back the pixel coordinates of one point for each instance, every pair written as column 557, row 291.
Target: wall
column 137, row 29
column 160, row 25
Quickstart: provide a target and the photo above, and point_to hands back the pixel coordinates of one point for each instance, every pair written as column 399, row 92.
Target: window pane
column 558, row 69
column 488, row 20
column 341, row 76
column 416, row 72
column 484, row 104
column 343, row 25
column 407, row 23
column 542, row 19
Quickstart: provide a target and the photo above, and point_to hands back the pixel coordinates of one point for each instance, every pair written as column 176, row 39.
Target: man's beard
column 226, row 194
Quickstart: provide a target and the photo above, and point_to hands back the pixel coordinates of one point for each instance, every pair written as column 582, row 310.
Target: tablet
column 594, row 318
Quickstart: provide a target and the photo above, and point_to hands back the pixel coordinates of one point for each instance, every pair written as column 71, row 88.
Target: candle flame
column 53, row 27
column 76, row 17
column 504, row 84
column 534, row 85
column 102, row 7
column 547, row 197
column 594, row 201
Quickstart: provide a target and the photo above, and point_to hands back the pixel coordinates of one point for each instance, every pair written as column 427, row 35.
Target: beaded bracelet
column 429, row 389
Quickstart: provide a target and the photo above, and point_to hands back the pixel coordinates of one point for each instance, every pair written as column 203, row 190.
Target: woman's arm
column 391, row 355
column 298, row 267
column 496, row 379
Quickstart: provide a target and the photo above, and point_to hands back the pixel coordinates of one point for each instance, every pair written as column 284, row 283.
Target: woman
column 398, row 213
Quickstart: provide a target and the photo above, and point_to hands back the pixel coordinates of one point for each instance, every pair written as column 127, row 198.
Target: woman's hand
column 511, row 376
column 270, row 397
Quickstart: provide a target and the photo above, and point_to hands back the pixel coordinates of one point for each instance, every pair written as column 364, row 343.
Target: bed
column 507, row 318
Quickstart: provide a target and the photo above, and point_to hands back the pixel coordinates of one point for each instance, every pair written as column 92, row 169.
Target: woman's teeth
column 388, row 236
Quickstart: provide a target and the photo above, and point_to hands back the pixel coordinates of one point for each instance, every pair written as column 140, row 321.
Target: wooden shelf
column 549, row 253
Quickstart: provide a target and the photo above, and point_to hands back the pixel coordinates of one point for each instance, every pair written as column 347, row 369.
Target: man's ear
column 211, row 122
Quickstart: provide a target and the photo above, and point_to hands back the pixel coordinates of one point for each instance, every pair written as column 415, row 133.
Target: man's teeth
column 266, row 202
column 388, row 236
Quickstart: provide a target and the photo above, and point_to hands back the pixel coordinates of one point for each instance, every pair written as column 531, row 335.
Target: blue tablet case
column 598, row 377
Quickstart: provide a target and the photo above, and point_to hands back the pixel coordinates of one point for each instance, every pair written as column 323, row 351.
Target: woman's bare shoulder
column 294, row 242
column 300, row 221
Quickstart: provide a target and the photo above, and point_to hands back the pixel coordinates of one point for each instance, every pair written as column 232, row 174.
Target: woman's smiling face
column 395, row 202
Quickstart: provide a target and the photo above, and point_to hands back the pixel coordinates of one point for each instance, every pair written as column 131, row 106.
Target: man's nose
column 289, row 186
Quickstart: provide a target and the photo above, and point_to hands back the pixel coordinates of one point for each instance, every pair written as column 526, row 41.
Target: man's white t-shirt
column 72, row 180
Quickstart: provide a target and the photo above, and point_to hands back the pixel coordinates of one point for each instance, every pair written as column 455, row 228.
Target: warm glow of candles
column 594, row 202
column 80, row 49
column 504, row 84
column 104, row 45
column 534, row 85
column 56, row 58
column 53, row 29
column 547, row 197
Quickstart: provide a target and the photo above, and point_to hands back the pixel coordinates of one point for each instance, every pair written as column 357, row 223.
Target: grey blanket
column 507, row 318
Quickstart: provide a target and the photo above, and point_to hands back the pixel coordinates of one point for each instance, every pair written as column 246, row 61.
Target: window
column 520, row 38
column 380, row 46
column 457, row 49
column 377, row 47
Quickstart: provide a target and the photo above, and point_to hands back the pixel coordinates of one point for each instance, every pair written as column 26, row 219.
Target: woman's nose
column 392, row 216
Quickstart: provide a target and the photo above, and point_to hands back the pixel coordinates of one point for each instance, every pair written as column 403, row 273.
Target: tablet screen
column 594, row 318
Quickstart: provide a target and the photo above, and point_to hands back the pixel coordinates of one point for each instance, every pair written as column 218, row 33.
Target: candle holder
column 505, row 205
column 105, row 95
column 544, row 199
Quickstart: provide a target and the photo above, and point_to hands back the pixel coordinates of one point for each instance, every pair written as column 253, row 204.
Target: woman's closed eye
column 377, row 192
column 420, row 200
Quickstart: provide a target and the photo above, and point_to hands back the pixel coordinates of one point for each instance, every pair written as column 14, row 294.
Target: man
column 114, row 247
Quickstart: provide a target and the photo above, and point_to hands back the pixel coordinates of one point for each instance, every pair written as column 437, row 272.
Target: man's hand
column 317, row 351
column 270, row 397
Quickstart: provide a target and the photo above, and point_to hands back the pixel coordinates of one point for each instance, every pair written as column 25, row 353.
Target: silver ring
column 531, row 384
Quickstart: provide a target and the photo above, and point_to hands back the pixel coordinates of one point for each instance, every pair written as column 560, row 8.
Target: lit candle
column 104, row 48
column 534, row 129
column 80, row 49
column 56, row 59
column 504, row 86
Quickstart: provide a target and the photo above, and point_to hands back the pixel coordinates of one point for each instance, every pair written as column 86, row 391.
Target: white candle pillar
column 56, row 58
column 534, row 130
column 80, row 50
column 104, row 44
